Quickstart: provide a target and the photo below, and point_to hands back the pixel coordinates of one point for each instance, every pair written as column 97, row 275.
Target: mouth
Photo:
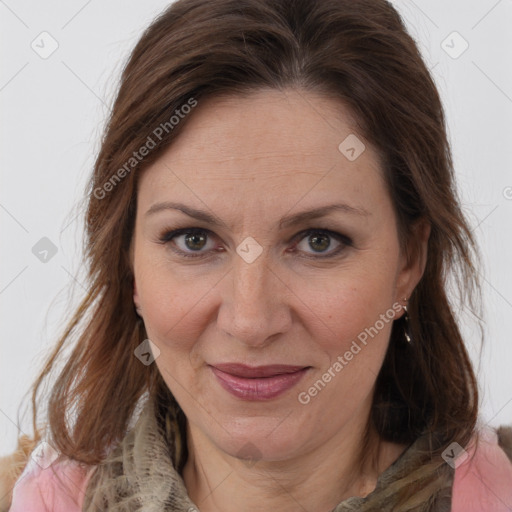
column 258, row 382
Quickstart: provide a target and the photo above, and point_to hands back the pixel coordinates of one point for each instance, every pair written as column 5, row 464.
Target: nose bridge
column 251, row 283
column 252, row 310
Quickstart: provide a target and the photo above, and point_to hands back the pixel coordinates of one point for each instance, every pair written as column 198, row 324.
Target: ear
column 413, row 260
column 136, row 299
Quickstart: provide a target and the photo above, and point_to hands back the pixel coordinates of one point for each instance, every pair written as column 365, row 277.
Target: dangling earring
column 406, row 323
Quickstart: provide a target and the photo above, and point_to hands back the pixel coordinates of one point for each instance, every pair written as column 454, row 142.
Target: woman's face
column 271, row 325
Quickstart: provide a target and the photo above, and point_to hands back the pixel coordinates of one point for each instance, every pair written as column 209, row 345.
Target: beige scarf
column 140, row 475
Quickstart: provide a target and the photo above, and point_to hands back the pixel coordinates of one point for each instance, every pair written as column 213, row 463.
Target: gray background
column 53, row 111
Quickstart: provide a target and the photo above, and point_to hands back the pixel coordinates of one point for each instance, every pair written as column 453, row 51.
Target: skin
column 250, row 161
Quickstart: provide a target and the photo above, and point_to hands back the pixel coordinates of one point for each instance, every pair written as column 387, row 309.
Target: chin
column 269, row 442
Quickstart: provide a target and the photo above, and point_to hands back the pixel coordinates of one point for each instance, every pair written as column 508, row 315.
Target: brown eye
column 318, row 241
column 195, row 241
column 188, row 241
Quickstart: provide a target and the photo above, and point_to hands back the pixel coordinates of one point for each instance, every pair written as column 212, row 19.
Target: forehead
column 265, row 147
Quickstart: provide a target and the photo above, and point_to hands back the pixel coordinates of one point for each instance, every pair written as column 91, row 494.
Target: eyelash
column 168, row 236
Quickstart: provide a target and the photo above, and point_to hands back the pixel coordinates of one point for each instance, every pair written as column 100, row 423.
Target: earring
column 406, row 322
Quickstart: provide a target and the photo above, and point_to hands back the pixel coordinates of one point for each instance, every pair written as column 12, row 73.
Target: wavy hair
column 356, row 52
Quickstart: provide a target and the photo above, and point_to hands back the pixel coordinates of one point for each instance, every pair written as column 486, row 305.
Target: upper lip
column 248, row 372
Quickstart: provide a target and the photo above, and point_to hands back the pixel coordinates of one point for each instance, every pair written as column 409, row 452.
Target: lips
column 257, row 382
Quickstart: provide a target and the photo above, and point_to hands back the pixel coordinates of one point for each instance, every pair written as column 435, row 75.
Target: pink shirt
column 481, row 484
column 484, row 484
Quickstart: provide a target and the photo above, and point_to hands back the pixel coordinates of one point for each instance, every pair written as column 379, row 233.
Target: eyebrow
column 286, row 221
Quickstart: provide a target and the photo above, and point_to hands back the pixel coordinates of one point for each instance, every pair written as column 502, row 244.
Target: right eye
column 187, row 241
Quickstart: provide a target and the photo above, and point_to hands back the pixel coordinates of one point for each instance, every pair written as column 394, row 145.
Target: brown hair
column 357, row 52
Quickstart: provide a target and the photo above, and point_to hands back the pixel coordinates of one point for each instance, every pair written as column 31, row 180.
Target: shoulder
column 49, row 483
column 483, row 473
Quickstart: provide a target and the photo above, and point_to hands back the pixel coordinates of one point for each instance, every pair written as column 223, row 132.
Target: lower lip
column 264, row 388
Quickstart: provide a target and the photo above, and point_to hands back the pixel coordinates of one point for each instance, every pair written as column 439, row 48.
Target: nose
column 254, row 309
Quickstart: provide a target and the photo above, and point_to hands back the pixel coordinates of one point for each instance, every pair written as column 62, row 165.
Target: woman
column 271, row 223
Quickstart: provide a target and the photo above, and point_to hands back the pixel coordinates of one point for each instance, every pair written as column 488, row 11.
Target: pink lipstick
column 257, row 382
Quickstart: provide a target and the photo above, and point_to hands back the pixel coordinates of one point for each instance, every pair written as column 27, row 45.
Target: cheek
column 175, row 318
column 349, row 302
column 174, row 308
column 357, row 318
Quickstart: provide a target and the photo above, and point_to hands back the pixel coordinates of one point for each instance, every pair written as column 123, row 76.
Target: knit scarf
column 140, row 474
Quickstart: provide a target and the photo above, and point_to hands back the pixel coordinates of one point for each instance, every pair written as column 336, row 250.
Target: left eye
column 320, row 240
column 193, row 240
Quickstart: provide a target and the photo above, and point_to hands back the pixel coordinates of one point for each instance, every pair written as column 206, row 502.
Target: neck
column 315, row 481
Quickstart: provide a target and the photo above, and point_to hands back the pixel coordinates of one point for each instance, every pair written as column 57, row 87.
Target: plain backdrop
column 53, row 109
